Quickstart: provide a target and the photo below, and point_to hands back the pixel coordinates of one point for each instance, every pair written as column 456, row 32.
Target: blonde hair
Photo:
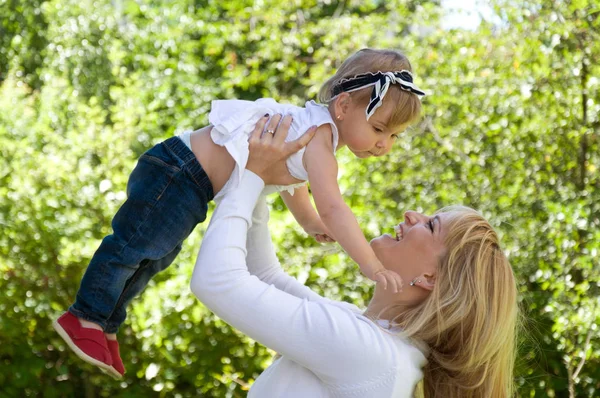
column 470, row 318
column 407, row 105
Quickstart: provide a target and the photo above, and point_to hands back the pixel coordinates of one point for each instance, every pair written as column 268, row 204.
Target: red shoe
column 89, row 344
column 113, row 347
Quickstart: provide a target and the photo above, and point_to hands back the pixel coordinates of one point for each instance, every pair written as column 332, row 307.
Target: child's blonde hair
column 407, row 105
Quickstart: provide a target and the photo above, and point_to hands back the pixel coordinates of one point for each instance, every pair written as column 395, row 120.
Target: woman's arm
column 333, row 342
column 263, row 263
column 334, row 212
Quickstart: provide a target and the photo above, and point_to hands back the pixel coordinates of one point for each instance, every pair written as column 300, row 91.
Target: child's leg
column 168, row 194
column 135, row 284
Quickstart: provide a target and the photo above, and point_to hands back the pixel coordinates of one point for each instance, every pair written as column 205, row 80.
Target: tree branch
column 584, row 138
column 586, row 345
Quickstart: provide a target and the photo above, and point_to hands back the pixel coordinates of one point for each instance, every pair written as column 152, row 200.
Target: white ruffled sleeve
column 319, row 115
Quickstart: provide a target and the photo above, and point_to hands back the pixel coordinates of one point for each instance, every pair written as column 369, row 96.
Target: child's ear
column 342, row 105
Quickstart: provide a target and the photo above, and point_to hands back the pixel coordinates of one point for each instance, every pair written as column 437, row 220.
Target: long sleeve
column 263, row 263
column 335, row 343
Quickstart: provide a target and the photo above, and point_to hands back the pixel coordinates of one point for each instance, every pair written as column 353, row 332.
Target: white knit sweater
column 328, row 348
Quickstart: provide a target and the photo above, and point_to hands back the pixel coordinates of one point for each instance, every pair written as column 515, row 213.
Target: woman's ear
column 342, row 105
column 426, row 281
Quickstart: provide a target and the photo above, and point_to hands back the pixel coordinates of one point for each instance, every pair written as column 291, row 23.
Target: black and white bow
column 381, row 83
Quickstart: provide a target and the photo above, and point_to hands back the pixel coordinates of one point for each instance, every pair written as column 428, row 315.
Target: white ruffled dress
column 234, row 120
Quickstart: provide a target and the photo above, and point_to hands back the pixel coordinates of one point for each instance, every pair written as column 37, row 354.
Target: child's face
column 367, row 138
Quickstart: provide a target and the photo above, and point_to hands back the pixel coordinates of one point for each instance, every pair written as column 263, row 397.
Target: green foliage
column 511, row 128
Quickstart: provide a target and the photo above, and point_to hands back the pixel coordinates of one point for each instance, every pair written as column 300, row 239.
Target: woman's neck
column 388, row 306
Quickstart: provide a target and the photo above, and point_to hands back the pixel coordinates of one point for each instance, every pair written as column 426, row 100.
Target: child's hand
column 387, row 279
column 319, row 231
column 323, row 238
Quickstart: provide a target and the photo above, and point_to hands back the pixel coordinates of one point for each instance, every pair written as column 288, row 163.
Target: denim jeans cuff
column 111, row 328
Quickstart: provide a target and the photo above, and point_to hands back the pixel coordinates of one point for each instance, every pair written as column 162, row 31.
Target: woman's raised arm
column 333, row 342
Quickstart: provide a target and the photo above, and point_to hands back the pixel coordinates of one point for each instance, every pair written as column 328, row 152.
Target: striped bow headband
column 381, row 82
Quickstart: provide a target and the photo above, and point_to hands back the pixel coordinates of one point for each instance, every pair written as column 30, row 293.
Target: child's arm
column 303, row 211
column 322, row 170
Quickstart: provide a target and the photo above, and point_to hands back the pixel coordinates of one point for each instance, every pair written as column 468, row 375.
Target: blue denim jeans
column 167, row 196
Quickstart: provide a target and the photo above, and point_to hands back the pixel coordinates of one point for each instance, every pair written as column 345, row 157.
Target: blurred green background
column 511, row 127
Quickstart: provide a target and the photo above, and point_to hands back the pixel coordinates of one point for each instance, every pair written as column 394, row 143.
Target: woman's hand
column 269, row 151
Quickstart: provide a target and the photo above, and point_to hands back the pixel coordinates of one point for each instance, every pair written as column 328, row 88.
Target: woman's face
column 417, row 246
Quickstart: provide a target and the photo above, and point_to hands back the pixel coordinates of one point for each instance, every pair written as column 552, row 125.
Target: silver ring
column 271, row 131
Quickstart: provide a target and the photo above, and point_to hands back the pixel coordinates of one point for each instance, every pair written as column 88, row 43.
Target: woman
column 453, row 325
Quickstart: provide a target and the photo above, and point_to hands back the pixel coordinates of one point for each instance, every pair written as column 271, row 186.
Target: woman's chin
column 383, row 240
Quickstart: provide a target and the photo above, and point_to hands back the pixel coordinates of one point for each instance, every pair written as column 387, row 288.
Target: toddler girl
column 169, row 189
